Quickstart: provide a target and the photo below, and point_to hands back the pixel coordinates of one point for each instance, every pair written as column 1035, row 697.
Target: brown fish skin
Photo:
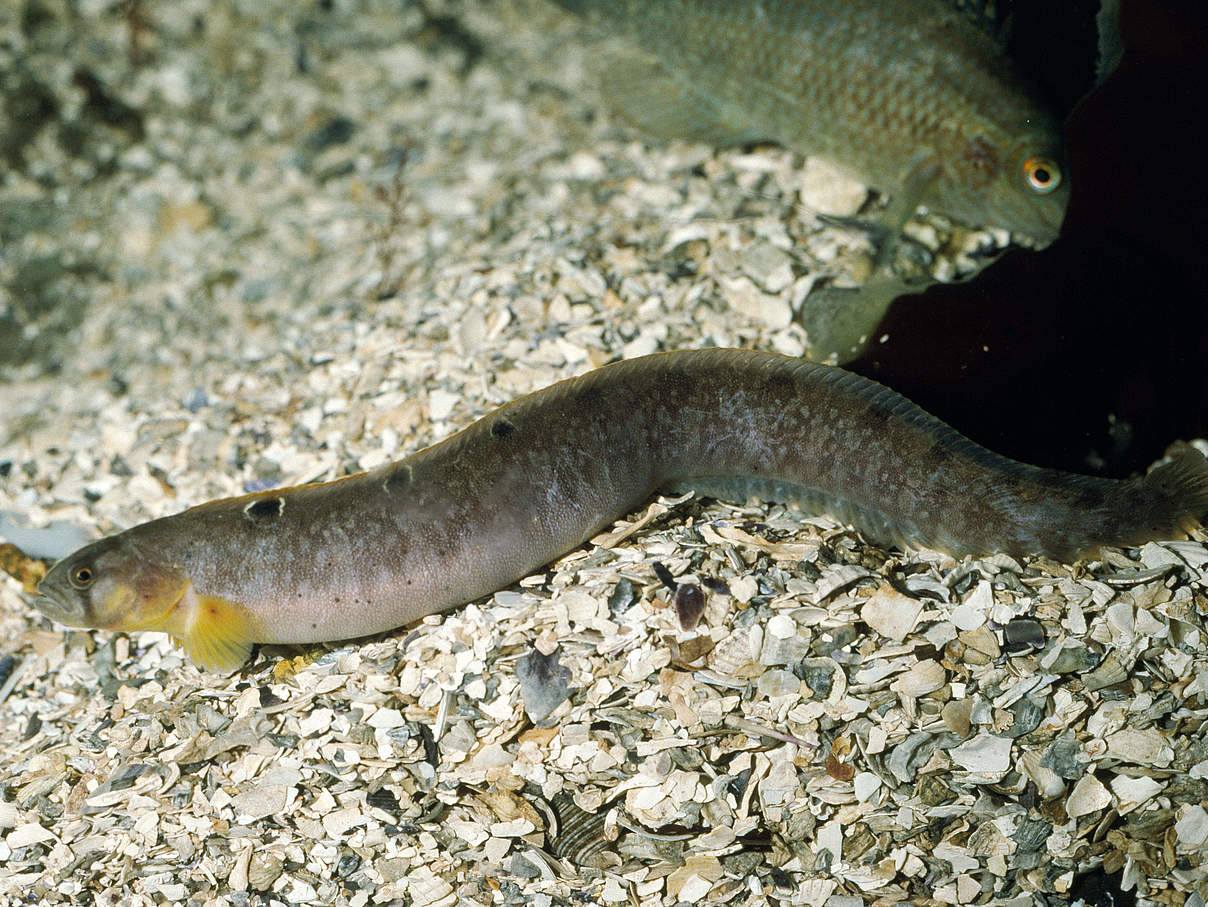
column 537, row 477
column 908, row 95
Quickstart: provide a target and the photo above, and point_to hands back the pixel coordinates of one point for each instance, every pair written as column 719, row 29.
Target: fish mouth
column 57, row 609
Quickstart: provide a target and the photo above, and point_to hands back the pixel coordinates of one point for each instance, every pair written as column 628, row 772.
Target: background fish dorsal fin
column 663, row 102
column 991, row 16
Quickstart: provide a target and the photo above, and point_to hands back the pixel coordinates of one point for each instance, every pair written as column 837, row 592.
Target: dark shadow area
column 1088, row 355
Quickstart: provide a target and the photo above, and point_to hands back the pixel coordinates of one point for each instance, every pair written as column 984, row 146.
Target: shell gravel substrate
column 249, row 244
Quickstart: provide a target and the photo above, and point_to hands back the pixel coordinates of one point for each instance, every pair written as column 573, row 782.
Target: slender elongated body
column 909, row 95
column 538, row 476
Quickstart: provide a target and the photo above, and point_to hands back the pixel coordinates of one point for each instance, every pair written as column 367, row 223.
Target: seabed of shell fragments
column 261, row 243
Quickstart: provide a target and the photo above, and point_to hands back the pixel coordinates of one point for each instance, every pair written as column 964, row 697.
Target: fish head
column 111, row 584
column 1038, row 190
column 1019, row 183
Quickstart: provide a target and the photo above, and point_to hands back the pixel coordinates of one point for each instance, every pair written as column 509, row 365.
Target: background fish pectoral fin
column 840, row 321
column 885, row 228
column 920, row 179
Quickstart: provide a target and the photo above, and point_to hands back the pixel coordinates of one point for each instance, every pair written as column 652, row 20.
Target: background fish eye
column 1041, row 174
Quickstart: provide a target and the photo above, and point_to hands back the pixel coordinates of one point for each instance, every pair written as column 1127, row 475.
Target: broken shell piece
column 695, row 879
column 744, row 588
column 781, row 626
column 932, row 791
column 866, row 784
column 838, row 760
column 1088, row 796
column 1064, row 757
column 1023, row 634
column 1032, row 835
column 1134, row 577
column 913, row 752
column 580, row 836
column 733, row 658
column 985, row 754
column 784, row 641
column 1192, row 827
column 1109, row 673
column 891, row 613
column 955, row 715
column 1121, row 621
column 972, row 612
column 1026, row 716
column 924, row 677
column 689, row 603
column 1048, row 783
column 544, row 684
column 1147, row 746
column 778, row 683
column 1154, row 555
column 981, row 646
column 825, row 679
column 1133, row 792
column 784, row 650
column 829, row 189
column 1070, row 657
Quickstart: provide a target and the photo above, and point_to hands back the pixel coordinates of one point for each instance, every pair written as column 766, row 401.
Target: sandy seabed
column 255, row 244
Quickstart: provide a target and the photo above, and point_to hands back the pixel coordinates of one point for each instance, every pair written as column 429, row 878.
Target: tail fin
column 1181, row 484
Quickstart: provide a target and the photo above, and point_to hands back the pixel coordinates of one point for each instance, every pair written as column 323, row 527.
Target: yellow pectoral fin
column 219, row 635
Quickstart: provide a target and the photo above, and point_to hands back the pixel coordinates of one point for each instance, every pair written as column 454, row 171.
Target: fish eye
column 81, row 576
column 1041, row 174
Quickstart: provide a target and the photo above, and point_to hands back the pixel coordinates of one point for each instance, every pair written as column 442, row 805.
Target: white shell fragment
column 923, row 677
column 891, row 613
column 1146, row 747
column 985, row 754
column 1088, row 796
column 1134, row 792
column 1192, row 827
column 343, row 231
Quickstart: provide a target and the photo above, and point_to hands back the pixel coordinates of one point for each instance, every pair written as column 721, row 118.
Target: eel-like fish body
column 537, row 477
column 908, row 95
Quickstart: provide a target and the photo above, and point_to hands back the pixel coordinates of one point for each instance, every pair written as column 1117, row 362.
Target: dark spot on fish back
column 502, row 427
column 264, row 509
column 398, row 479
column 589, row 397
column 938, row 455
column 779, row 383
column 878, row 414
